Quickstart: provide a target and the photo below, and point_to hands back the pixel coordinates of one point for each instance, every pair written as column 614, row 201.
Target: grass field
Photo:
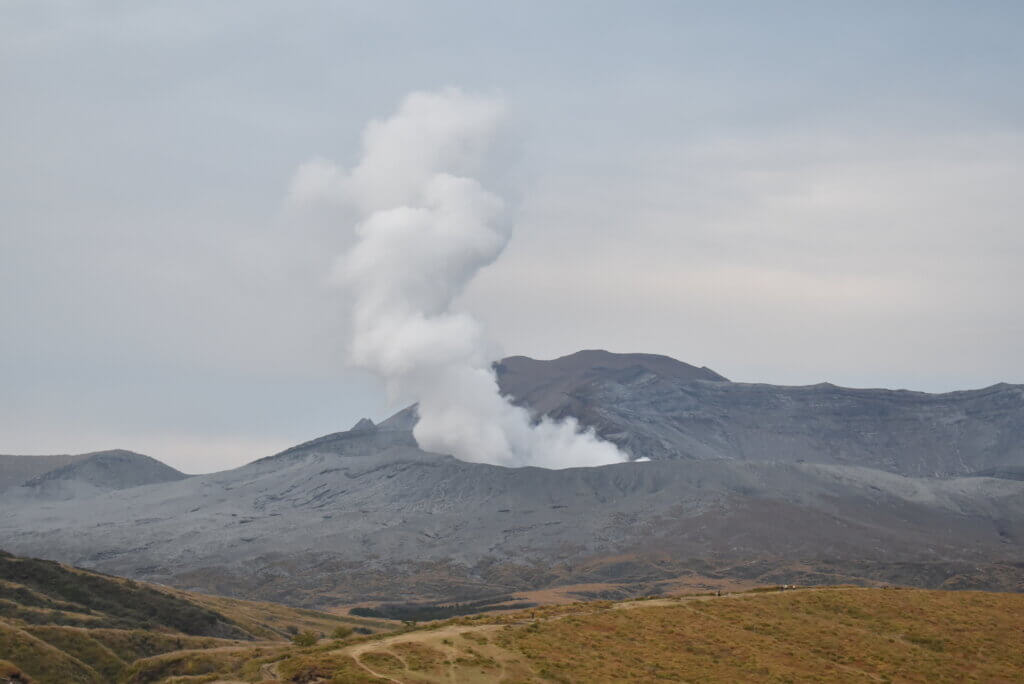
column 62, row 625
column 815, row 635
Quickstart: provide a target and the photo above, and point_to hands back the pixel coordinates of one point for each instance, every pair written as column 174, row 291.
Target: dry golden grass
column 11, row 672
column 810, row 635
column 80, row 644
column 41, row 661
column 275, row 621
column 323, row 667
column 61, row 625
column 240, row 663
column 841, row 634
column 822, row 635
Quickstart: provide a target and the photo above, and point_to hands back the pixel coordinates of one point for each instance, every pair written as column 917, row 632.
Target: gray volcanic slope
column 93, row 473
column 15, row 470
column 770, row 483
column 660, row 408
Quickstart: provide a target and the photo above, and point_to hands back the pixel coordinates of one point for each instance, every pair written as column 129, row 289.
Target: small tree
column 306, row 638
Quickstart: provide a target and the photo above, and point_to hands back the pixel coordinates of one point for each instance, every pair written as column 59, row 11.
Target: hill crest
column 103, row 471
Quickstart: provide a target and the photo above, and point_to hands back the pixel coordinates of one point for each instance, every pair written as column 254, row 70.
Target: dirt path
column 268, row 671
column 450, row 644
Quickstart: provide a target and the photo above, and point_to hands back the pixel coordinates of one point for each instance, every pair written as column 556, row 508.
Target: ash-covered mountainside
column 660, row 408
column 90, row 474
column 16, row 470
column 773, row 484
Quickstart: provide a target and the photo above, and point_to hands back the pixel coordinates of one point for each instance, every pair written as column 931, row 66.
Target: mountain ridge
column 658, row 415
column 816, row 485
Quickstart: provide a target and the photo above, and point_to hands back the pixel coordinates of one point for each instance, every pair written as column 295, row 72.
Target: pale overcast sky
column 786, row 192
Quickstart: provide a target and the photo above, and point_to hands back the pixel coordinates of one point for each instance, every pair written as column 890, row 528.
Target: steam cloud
column 424, row 227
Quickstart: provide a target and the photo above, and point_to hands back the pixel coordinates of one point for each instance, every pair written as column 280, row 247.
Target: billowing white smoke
column 424, row 227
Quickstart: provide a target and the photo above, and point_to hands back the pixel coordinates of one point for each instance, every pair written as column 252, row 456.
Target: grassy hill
column 60, row 624
column 843, row 634
column 65, row 625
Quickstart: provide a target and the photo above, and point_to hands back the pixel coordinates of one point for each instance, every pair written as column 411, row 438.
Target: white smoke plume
column 424, row 227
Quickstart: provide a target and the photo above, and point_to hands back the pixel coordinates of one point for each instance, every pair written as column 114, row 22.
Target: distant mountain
column 97, row 472
column 545, row 386
column 656, row 407
column 756, row 482
column 15, row 470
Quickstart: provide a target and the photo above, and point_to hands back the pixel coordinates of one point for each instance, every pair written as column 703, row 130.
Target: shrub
column 341, row 631
column 306, row 638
